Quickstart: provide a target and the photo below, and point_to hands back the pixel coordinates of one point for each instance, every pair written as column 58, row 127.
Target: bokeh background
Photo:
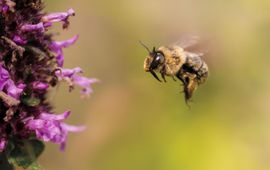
column 136, row 123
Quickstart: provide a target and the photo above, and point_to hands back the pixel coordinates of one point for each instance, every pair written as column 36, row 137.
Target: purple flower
column 57, row 47
column 50, row 127
column 3, row 143
column 6, row 5
column 31, row 63
column 19, row 40
column 14, row 91
column 40, row 86
column 33, row 27
column 59, row 17
column 7, row 84
column 4, row 77
column 72, row 78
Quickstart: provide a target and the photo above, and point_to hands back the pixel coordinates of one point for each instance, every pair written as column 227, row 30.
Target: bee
column 175, row 61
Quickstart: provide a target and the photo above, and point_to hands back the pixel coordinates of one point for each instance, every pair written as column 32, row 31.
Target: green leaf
column 31, row 101
column 35, row 166
column 25, row 153
column 9, row 147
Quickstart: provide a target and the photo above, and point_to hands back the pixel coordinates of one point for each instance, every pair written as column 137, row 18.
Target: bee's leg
column 162, row 72
column 155, row 75
column 181, row 79
column 163, row 77
column 173, row 78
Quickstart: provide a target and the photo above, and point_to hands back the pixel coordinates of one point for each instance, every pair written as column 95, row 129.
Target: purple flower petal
column 66, row 43
column 3, row 143
column 4, row 77
column 33, row 27
column 5, row 8
column 62, row 116
column 19, row 40
column 69, row 72
column 7, row 5
column 40, row 86
column 13, row 90
column 57, row 46
column 72, row 128
column 58, row 16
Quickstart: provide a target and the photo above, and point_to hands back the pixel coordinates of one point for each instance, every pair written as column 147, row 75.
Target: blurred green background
column 135, row 123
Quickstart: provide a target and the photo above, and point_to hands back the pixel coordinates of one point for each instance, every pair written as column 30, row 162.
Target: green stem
column 4, row 164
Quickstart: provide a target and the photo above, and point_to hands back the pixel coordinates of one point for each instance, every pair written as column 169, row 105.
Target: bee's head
column 158, row 59
column 154, row 60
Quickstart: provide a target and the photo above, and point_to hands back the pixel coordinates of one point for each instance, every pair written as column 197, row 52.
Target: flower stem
column 4, row 164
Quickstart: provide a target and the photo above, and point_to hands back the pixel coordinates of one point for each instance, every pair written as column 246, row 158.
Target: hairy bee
column 175, row 61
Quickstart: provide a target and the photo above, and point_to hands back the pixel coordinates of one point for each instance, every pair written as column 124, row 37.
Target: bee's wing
column 193, row 44
column 188, row 41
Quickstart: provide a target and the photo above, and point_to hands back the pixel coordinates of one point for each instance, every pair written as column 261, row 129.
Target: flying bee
column 175, row 61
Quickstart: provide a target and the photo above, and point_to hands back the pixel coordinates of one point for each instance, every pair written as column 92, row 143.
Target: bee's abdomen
column 193, row 61
column 202, row 73
column 195, row 65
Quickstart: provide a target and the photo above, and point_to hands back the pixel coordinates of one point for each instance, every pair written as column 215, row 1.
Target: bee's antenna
column 144, row 46
column 154, row 49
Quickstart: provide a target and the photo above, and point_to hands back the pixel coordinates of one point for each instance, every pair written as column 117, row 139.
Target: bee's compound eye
column 159, row 58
